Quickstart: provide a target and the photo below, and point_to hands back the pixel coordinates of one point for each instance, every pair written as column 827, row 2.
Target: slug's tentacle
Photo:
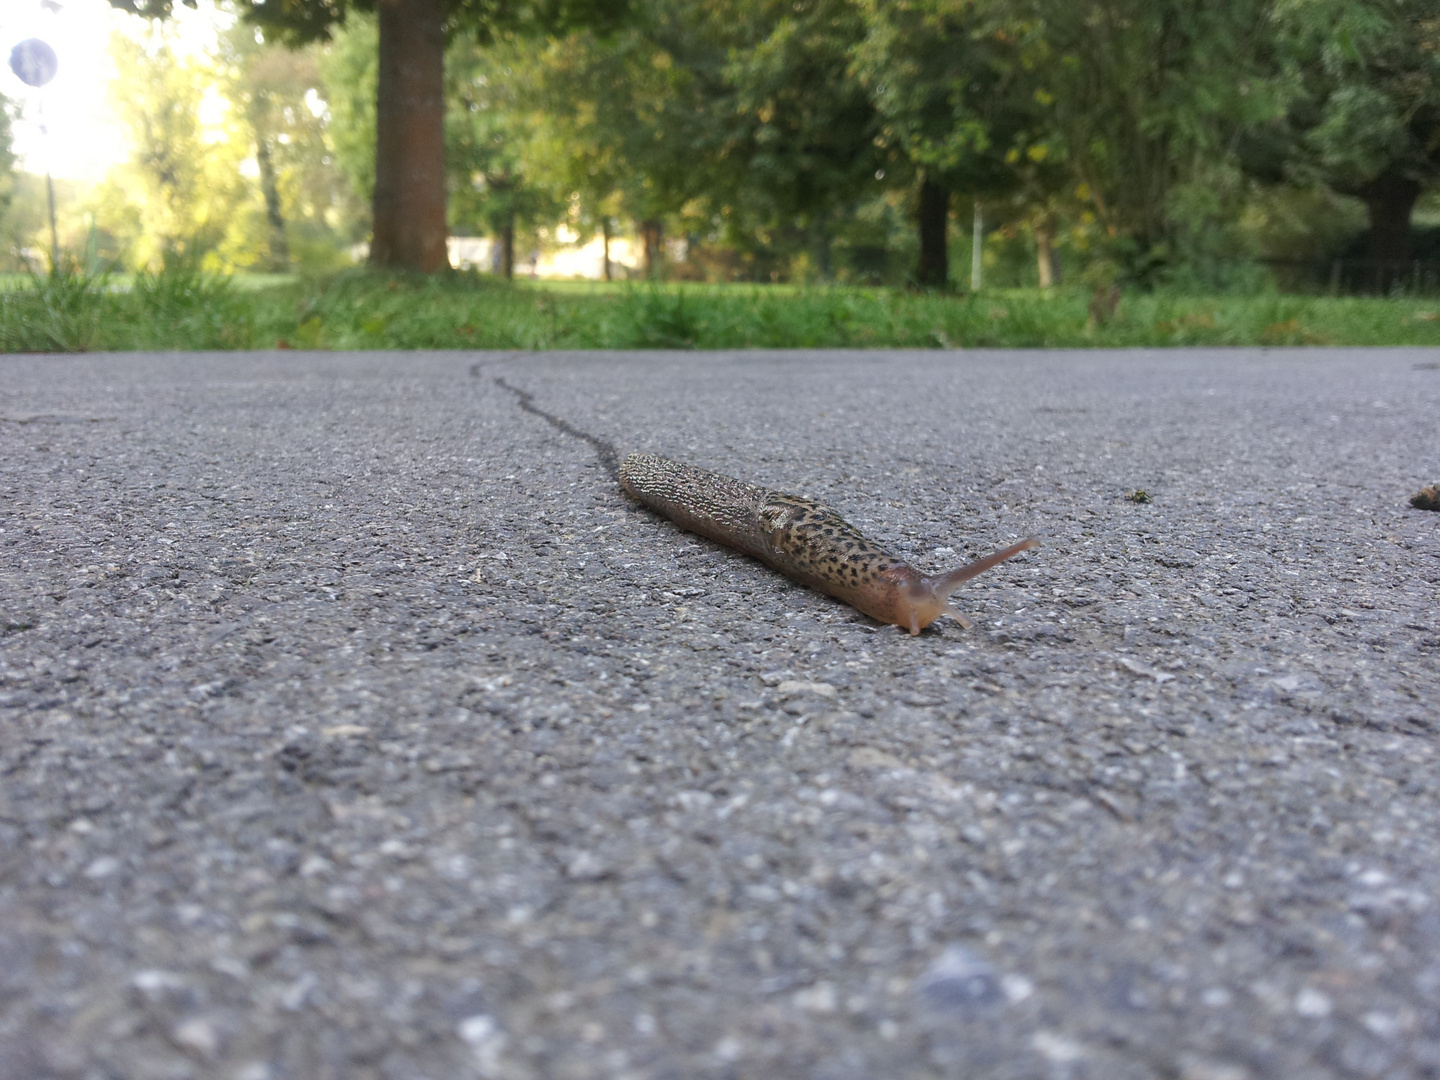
column 941, row 587
column 946, row 584
column 802, row 539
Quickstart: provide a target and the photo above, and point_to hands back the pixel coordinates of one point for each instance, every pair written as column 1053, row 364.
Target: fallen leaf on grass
column 1197, row 320
column 1289, row 332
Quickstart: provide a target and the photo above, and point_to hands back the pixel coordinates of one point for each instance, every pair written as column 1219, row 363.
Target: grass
column 70, row 311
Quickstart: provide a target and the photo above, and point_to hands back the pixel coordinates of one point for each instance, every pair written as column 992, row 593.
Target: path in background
column 352, row 724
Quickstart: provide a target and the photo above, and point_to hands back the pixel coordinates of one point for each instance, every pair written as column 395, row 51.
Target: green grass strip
column 179, row 309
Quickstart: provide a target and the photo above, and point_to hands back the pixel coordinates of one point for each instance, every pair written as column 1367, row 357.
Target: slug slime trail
column 604, row 449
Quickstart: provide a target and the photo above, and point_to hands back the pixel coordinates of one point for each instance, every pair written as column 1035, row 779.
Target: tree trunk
column 824, row 262
column 507, row 248
column 1047, row 259
column 279, row 246
column 605, row 230
column 652, row 232
column 933, row 271
column 1389, row 199
column 409, row 206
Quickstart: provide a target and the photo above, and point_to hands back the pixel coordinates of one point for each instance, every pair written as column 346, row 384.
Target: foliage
column 1363, row 108
column 951, row 84
column 633, row 112
column 805, row 141
column 488, row 130
column 302, row 21
column 489, row 145
column 182, row 181
column 71, row 309
column 59, row 311
column 1365, row 80
column 279, row 113
column 785, row 139
column 7, row 153
column 200, row 307
column 24, row 214
column 231, row 164
column 408, row 226
column 348, row 73
column 735, row 124
column 1146, row 97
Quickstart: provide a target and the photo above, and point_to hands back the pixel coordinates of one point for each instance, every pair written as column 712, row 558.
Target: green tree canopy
column 957, row 104
column 183, row 187
column 281, row 116
column 1145, row 98
column 737, row 120
column 1363, row 79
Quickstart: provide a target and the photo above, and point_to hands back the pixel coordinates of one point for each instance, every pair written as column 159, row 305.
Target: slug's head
column 920, row 600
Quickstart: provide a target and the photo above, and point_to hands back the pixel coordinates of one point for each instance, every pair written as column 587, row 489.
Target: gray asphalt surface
column 353, row 725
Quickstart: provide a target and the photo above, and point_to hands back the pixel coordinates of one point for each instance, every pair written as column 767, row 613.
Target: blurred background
column 1291, row 145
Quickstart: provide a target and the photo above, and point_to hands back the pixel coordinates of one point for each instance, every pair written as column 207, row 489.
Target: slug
column 798, row 537
column 803, row 540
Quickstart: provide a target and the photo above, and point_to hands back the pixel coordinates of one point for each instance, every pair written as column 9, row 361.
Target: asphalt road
column 354, row 725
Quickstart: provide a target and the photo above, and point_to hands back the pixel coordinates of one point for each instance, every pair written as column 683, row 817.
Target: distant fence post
column 977, row 247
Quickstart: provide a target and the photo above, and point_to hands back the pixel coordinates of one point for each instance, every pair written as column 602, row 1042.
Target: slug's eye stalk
column 937, row 590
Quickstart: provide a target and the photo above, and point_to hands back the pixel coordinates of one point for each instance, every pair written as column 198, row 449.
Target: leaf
column 1347, row 45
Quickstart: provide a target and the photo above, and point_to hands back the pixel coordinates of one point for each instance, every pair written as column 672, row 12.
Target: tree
column 409, row 192
column 957, row 103
column 737, row 120
column 185, row 186
column 801, row 136
column 1145, row 98
column 347, row 67
column 567, row 154
column 634, row 112
column 1363, row 79
column 488, row 130
column 279, row 110
column 490, row 140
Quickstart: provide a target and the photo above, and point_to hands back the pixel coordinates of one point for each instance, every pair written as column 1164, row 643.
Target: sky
column 83, row 138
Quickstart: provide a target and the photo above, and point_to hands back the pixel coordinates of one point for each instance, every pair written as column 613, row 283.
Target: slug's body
column 802, row 539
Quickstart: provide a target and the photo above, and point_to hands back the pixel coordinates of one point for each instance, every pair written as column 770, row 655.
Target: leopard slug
column 802, row 539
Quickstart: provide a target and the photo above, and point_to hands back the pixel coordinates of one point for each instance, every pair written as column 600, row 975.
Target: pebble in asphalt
column 353, row 725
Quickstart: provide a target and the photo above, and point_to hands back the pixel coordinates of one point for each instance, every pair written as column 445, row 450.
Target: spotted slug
column 802, row 539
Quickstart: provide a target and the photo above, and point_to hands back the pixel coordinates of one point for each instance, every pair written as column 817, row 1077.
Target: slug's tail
column 946, row 584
